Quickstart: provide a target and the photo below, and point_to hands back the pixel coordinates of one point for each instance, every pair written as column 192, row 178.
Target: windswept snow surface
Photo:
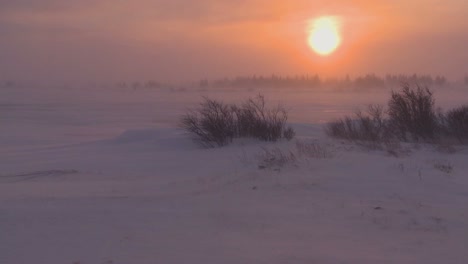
column 105, row 176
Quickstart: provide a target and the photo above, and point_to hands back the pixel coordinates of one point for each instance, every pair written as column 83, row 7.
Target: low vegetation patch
column 443, row 166
column 411, row 117
column 216, row 123
column 368, row 126
column 313, row 150
column 412, row 114
column 457, row 123
column 276, row 158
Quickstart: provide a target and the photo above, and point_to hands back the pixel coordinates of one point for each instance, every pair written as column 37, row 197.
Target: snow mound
column 163, row 138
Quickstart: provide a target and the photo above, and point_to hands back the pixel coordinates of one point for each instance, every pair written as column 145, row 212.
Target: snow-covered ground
column 105, row 176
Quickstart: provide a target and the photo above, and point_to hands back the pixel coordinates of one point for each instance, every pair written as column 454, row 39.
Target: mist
column 173, row 41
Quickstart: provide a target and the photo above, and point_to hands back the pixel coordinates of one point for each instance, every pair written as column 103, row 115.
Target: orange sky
column 179, row 40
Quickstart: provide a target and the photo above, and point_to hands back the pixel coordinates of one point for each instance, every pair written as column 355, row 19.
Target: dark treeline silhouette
column 426, row 80
column 139, row 85
column 365, row 82
column 264, row 81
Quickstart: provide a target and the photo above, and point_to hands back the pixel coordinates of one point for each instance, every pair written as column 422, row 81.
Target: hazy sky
column 170, row 40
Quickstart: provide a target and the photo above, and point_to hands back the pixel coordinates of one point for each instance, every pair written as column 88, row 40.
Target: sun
column 324, row 35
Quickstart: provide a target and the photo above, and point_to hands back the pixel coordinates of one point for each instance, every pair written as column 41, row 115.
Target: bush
column 412, row 114
column 212, row 124
column 369, row 126
column 456, row 122
column 289, row 133
column 216, row 123
column 257, row 121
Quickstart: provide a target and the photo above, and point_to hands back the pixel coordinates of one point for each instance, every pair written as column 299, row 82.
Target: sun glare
column 324, row 35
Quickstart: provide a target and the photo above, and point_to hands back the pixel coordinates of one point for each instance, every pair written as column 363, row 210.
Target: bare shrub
column 457, row 123
column 289, row 133
column 343, row 128
column 411, row 117
column 369, row 126
column 412, row 114
column 254, row 119
column 216, row 124
column 213, row 124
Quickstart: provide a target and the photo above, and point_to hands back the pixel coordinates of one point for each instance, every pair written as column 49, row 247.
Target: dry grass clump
column 443, row 166
column 275, row 158
column 313, row 150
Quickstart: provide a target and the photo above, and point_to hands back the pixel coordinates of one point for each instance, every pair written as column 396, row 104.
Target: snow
column 105, row 176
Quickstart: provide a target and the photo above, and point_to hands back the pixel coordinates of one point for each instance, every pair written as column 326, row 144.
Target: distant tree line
column 310, row 81
column 306, row 81
column 364, row 82
column 266, row 81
